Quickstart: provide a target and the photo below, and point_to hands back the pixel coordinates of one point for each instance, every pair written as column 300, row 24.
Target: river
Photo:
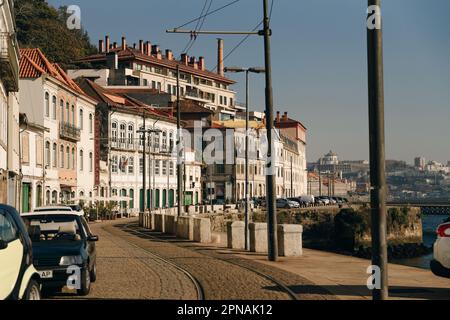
column 430, row 224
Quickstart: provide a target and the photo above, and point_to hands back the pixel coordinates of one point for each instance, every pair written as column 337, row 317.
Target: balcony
column 9, row 62
column 69, row 132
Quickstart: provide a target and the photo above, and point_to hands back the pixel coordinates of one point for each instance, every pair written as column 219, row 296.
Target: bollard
column 290, row 240
column 236, row 235
column 258, row 237
column 202, row 230
column 185, row 228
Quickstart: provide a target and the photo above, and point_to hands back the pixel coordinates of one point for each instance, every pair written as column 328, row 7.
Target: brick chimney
column 169, row 54
column 155, row 49
column 107, row 44
column 101, row 46
column 220, row 66
column 184, row 59
column 193, row 63
column 115, row 45
column 124, row 43
column 148, row 48
column 285, row 117
column 278, row 117
column 141, row 46
column 201, row 63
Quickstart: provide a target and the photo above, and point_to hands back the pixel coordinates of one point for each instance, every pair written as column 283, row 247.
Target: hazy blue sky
column 319, row 62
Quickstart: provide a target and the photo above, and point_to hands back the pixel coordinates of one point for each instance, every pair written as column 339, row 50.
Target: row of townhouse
column 57, row 142
column 9, row 107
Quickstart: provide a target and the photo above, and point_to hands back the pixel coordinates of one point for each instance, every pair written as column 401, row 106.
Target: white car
column 440, row 265
column 18, row 277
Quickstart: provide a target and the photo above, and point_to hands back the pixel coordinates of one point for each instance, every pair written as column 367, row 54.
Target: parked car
column 61, row 241
column 440, row 265
column 18, row 277
column 283, row 203
column 53, row 208
column 307, row 199
column 324, row 200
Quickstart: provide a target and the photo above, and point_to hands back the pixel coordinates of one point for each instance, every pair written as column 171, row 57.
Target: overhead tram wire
column 193, row 37
column 245, row 38
column 200, row 27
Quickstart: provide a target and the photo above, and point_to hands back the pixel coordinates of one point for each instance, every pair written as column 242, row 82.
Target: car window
column 53, row 228
column 8, row 229
column 53, row 209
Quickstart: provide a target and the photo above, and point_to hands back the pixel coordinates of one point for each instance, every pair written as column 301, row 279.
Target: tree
column 41, row 25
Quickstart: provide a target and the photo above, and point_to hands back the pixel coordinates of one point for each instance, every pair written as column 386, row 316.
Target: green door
column 157, row 198
column 131, row 205
column 164, row 198
column 171, row 198
column 188, row 198
column 196, row 198
column 141, row 200
column 26, row 197
column 148, row 199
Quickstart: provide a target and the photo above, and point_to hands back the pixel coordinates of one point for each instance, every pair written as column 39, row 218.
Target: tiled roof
column 120, row 100
column 134, row 54
column 190, row 107
column 34, row 64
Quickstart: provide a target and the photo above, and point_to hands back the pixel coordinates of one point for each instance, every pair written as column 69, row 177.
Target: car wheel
column 33, row 291
column 94, row 273
column 85, row 283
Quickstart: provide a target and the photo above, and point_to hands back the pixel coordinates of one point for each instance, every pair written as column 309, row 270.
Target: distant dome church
column 330, row 158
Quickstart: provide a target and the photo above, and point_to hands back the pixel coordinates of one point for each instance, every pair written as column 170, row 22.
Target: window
column 171, row 141
column 81, row 160
column 54, row 107
column 68, row 157
column 8, row 230
column 141, row 165
column 73, row 115
column 123, row 164
column 91, row 162
column 164, row 171
column 153, row 84
column 122, row 133
column 61, row 105
column 114, row 132
column 164, row 140
column 141, row 137
column 81, row 119
column 47, row 154
column 91, row 124
column 114, row 164
column 47, row 104
column 55, row 160
column 156, row 141
column 169, row 88
column 67, row 112
column 225, row 100
column 157, row 166
column 73, row 159
column 61, row 156
column 130, row 136
column 171, row 166
column 131, row 165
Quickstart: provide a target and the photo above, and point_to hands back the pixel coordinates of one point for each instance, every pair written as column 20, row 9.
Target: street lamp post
column 247, row 72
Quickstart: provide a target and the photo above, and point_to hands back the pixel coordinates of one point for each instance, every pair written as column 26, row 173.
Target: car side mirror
column 93, row 238
column 3, row 245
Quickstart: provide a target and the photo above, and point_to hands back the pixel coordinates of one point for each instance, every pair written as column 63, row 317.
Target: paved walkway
column 345, row 276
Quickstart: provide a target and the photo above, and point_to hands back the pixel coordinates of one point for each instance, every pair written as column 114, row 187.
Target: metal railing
column 69, row 131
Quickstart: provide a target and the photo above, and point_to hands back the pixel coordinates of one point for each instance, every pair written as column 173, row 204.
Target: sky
column 319, row 59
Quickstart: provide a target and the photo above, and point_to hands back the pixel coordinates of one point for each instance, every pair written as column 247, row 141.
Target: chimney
column 107, row 44
column 285, row 117
column 155, row 49
column 141, row 46
column 220, row 67
column 134, row 45
column 124, row 43
column 193, row 63
column 148, row 48
column 169, row 55
column 101, row 46
column 184, row 59
column 115, row 45
column 201, row 63
column 159, row 55
column 278, row 117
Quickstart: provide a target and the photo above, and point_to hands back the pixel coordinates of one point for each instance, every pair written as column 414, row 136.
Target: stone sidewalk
column 346, row 277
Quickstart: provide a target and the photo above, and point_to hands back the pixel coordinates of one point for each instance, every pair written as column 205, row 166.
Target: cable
column 200, row 27
column 246, row 37
column 193, row 36
column 210, row 13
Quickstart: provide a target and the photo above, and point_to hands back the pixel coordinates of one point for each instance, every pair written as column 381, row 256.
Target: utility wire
column 200, row 26
column 245, row 38
column 208, row 14
column 193, row 36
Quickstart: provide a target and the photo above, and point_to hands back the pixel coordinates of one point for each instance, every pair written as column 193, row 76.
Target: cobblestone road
column 128, row 270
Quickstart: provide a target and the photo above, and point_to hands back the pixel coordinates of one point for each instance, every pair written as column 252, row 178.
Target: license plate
column 46, row 274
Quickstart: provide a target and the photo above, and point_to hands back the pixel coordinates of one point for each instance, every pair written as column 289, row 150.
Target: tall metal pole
column 144, row 164
column 377, row 153
column 292, row 178
column 246, row 218
column 179, row 167
column 270, row 178
column 151, row 170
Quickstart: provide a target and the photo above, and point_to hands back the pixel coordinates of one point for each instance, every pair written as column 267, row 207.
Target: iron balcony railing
column 9, row 61
column 69, row 131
